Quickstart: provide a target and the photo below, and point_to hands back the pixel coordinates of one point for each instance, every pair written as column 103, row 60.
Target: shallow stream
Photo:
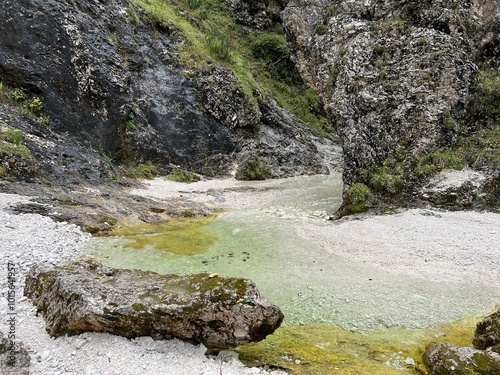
column 318, row 291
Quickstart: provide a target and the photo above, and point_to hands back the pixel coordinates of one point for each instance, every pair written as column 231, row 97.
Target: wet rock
column 442, row 359
column 87, row 296
column 113, row 84
column 487, row 332
column 14, row 359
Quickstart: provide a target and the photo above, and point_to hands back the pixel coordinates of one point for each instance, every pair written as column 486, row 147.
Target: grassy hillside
column 259, row 59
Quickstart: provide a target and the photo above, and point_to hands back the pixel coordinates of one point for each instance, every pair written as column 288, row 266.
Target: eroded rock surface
column 395, row 76
column 488, row 332
column 87, row 296
column 442, row 359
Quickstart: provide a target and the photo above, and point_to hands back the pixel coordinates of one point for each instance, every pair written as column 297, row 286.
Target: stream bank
column 418, row 269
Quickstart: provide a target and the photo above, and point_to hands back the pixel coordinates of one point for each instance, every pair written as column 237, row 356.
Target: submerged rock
column 87, row 296
column 442, row 359
column 488, row 332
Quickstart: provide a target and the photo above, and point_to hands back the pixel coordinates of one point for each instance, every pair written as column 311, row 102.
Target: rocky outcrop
column 443, row 359
column 108, row 75
column 488, row 332
column 86, row 296
column 395, row 76
column 484, row 359
column 113, row 85
column 257, row 14
column 455, row 189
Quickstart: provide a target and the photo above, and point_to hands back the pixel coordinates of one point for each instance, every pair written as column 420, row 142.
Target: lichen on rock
column 87, row 296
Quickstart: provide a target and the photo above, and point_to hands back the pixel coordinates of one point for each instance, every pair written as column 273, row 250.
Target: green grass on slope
column 259, row 59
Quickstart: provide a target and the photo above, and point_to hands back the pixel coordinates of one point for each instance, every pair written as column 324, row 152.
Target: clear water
column 310, row 284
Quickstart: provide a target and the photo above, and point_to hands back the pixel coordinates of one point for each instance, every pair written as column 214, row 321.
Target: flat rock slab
column 217, row 311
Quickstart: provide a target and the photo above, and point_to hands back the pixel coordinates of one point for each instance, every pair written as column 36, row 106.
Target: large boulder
column 395, row 76
column 488, row 332
column 87, row 296
column 442, row 359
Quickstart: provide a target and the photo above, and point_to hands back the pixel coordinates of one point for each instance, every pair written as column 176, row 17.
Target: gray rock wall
column 390, row 73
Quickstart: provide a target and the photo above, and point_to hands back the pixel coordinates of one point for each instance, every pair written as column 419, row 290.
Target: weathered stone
column 443, row 359
column 393, row 75
column 14, row 359
column 488, row 332
column 455, row 189
column 87, row 296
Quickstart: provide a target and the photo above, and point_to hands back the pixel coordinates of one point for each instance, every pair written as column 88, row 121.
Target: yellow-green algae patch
column 326, row 349
column 185, row 236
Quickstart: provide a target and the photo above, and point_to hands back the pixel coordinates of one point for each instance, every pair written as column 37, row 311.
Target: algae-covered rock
column 217, row 311
column 442, row 359
column 488, row 332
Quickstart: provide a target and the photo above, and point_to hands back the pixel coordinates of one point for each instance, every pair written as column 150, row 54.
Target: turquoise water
column 310, row 284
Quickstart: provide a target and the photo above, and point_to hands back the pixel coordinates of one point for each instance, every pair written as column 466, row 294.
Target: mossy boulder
column 219, row 312
column 443, row 359
column 488, row 332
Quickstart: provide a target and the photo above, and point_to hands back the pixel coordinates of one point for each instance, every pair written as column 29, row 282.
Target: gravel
column 27, row 239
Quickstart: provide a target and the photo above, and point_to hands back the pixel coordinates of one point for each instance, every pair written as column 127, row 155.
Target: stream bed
column 334, row 306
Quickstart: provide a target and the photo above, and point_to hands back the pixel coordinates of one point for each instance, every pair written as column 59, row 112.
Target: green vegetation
column 145, row 170
column 259, row 59
column 254, row 169
column 326, row 349
column 11, row 142
column 356, row 199
column 29, row 105
column 180, row 175
column 393, row 24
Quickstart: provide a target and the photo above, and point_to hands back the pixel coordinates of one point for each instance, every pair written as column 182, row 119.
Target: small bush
column 145, row 170
column 18, row 95
column 356, row 199
column 180, row 175
column 358, row 193
column 322, row 29
column 35, row 106
column 254, row 169
column 436, row 161
column 270, row 48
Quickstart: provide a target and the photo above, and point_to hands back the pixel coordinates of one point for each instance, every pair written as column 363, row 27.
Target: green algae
column 327, row 349
column 186, row 236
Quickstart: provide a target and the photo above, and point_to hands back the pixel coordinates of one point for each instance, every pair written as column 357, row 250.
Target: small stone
column 297, row 362
column 410, row 361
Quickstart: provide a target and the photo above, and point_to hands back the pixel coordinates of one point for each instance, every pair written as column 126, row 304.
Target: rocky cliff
column 403, row 81
column 107, row 74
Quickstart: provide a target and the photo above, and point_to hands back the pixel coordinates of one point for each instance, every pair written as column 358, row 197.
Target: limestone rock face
column 87, row 296
column 390, row 73
column 488, row 332
column 450, row 359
